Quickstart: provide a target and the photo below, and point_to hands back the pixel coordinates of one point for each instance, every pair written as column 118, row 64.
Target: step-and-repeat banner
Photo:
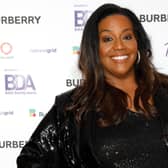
column 39, row 46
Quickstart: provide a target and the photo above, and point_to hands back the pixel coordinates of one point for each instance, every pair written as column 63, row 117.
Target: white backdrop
column 39, row 42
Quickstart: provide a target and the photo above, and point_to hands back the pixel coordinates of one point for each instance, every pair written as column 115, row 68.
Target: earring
column 138, row 58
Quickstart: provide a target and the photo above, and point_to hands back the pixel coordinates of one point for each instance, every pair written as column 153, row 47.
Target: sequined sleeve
column 41, row 150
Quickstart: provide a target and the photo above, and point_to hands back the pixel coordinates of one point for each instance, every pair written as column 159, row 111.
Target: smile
column 121, row 57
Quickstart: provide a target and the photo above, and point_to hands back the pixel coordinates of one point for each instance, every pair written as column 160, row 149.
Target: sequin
column 135, row 143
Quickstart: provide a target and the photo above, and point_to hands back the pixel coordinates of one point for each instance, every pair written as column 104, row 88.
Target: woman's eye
column 127, row 37
column 107, row 39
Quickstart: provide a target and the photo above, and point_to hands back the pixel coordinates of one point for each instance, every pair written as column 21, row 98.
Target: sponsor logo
column 6, row 113
column 81, row 14
column 12, row 144
column 166, row 44
column 47, row 50
column 19, row 84
column 33, row 113
column 20, row 19
column 76, row 50
column 74, row 82
column 6, row 50
column 153, row 18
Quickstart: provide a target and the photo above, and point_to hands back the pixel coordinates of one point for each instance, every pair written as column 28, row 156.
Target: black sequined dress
column 135, row 143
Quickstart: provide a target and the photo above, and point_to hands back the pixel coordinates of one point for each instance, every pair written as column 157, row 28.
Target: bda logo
column 81, row 17
column 19, row 84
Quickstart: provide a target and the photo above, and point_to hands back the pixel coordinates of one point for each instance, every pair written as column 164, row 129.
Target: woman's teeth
column 121, row 57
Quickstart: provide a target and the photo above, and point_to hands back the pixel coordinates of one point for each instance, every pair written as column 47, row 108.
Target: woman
column 118, row 117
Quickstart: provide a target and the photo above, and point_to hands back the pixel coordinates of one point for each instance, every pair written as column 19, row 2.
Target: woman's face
column 117, row 46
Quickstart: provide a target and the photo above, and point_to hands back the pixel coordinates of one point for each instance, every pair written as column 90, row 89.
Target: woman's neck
column 127, row 85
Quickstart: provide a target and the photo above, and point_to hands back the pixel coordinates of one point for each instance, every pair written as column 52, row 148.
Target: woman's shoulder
column 161, row 95
column 161, row 84
column 56, row 113
column 65, row 97
column 162, row 78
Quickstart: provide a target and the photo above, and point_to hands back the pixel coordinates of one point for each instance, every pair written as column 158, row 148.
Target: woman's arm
column 41, row 151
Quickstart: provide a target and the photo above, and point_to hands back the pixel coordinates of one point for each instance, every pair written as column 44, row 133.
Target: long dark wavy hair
column 94, row 94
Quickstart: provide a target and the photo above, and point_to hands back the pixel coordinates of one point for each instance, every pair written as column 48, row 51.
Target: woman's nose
column 118, row 44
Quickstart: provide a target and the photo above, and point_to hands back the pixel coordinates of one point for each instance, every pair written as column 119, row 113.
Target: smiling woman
column 118, row 116
column 118, row 47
